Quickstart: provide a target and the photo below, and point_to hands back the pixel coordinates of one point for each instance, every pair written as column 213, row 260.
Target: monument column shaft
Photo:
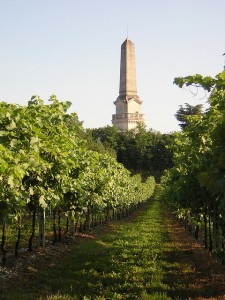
column 128, row 104
column 128, row 85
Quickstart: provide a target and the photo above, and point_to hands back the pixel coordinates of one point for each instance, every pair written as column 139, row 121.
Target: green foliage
column 189, row 110
column 145, row 152
column 107, row 135
column 46, row 162
column 195, row 185
column 94, row 143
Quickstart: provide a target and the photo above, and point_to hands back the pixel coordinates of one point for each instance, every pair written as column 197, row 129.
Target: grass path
column 146, row 257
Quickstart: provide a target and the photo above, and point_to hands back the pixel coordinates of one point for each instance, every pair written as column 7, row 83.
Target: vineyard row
column 46, row 167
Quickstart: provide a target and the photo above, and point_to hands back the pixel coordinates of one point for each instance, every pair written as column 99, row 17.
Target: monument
column 128, row 104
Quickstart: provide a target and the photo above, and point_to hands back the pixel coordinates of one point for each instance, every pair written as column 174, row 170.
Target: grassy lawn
column 126, row 261
column 131, row 259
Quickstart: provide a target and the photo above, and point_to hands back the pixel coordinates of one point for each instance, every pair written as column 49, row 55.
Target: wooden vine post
column 42, row 227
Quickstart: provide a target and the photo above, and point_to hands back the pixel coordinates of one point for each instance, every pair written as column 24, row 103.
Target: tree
column 142, row 152
column 189, row 110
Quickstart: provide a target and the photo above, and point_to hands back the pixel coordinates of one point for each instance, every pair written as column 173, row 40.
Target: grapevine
column 46, row 167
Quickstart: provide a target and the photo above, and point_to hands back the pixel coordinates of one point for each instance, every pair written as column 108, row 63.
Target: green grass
column 123, row 263
column 132, row 259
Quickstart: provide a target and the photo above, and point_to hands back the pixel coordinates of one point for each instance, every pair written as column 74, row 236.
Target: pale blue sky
column 71, row 48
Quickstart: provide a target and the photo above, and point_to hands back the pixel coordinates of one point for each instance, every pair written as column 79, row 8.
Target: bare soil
column 199, row 273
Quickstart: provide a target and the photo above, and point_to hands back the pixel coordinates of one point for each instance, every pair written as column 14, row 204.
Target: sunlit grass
column 124, row 263
column 131, row 259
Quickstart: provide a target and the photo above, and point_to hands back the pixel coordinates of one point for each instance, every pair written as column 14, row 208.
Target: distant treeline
column 146, row 152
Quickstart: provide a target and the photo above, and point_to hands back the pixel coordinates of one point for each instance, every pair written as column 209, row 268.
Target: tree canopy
column 143, row 152
column 184, row 112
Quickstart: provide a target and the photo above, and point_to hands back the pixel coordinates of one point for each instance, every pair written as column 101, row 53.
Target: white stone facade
column 128, row 105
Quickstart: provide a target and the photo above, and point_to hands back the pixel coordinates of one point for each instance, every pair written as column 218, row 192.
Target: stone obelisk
column 128, row 105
